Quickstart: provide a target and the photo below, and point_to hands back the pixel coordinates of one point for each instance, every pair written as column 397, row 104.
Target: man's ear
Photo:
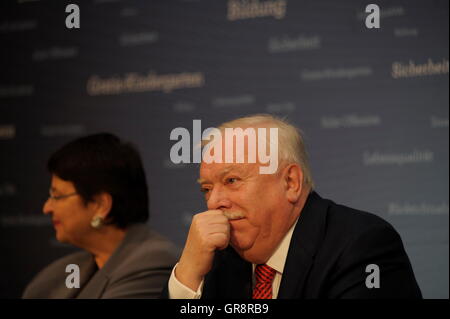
column 293, row 177
column 103, row 204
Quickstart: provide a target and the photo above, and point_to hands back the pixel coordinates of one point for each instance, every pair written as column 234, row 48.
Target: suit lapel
column 305, row 242
column 95, row 287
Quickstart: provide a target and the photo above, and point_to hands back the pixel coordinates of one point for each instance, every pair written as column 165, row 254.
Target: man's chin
column 250, row 255
column 240, row 245
column 247, row 251
column 242, row 239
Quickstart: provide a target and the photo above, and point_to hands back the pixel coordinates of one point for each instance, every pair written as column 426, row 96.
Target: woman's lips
column 56, row 223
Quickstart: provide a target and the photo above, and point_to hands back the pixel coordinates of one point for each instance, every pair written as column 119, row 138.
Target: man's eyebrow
column 225, row 171
column 201, row 180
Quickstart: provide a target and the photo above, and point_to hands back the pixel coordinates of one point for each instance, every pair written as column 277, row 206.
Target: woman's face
column 70, row 215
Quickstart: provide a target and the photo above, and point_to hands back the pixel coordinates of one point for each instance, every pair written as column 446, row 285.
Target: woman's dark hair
column 102, row 163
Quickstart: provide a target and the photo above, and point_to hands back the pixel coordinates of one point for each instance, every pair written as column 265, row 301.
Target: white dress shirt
column 277, row 261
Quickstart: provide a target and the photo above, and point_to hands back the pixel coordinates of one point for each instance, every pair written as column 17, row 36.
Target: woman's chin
column 61, row 238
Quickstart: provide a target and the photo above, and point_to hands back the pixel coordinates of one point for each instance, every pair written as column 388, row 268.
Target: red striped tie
column 264, row 276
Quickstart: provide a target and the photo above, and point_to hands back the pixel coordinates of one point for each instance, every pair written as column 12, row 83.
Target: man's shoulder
column 352, row 221
column 352, row 240
column 347, row 229
column 336, row 226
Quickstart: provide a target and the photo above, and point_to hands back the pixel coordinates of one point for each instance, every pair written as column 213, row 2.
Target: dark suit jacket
column 138, row 268
column 327, row 258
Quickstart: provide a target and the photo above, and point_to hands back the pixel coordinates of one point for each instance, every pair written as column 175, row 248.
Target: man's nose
column 47, row 209
column 218, row 199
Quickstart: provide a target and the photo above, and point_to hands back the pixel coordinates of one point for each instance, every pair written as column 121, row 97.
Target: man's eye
column 204, row 190
column 231, row 180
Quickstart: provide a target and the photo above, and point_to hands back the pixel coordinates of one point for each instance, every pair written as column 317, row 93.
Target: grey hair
column 290, row 138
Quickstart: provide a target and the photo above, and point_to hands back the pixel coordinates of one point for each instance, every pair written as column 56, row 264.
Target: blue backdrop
column 373, row 104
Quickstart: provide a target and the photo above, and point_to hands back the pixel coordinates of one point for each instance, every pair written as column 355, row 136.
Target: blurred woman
column 99, row 202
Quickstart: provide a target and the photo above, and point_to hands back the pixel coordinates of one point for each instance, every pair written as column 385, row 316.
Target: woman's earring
column 97, row 222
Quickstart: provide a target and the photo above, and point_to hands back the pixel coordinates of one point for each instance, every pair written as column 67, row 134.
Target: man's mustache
column 231, row 215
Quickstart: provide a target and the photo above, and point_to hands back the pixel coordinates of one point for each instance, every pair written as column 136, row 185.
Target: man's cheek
column 240, row 229
column 244, row 231
column 254, row 220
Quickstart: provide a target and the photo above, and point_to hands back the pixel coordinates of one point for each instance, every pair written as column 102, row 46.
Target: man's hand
column 209, row 232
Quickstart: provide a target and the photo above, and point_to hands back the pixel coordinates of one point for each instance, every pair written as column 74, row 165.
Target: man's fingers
column 210, row 218
column 209, row 231
column 219, row 228
column 212, row 212
column 220, row 240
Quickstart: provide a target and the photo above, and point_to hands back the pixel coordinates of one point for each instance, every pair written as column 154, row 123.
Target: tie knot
column 264, row 273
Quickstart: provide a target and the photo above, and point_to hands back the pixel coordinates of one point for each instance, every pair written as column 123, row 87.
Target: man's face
column 71, row 217
column 260, row 198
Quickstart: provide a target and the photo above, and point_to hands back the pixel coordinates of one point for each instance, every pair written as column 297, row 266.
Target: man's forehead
column 218, row 170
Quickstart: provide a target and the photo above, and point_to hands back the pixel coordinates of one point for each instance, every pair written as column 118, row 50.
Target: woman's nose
column 47, row 207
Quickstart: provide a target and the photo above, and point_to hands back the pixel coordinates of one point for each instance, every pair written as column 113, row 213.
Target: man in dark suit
column 271, row 236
